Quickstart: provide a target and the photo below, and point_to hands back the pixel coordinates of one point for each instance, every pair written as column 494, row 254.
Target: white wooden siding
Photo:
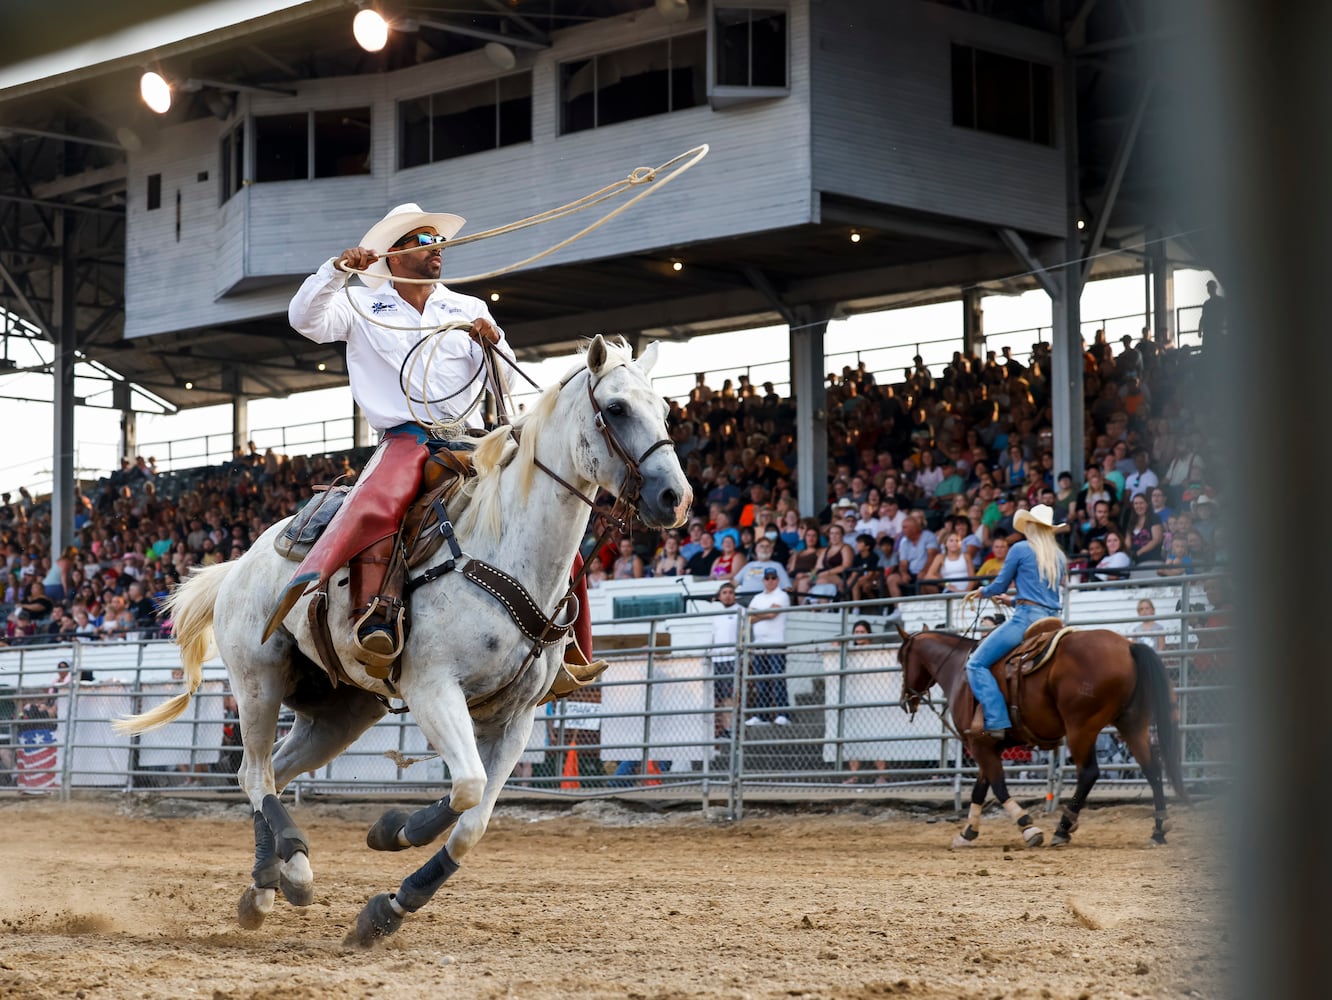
column 883, row 119
column 756, row 178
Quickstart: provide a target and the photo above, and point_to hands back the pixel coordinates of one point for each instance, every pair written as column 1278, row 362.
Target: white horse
column 602, row 427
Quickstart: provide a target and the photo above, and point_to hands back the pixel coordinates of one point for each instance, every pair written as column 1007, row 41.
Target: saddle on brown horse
column 1035, row 651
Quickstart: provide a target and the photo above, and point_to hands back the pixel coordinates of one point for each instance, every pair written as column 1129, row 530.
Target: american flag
column 37, row 760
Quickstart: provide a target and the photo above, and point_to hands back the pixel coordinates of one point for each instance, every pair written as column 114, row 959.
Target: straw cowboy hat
column 397, row 223
column 1041, row 514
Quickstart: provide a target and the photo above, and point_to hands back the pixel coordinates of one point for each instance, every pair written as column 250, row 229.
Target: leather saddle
column 1036, row 649
column 419, row 537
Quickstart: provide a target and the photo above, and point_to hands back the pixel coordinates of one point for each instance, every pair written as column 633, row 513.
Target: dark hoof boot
column 383, row 836
column 374, row 923
column 1159, row 838
column 248, row 914
column 1060, row 838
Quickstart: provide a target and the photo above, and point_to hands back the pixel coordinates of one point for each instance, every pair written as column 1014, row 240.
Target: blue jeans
column 769, row 693
column 993, row 648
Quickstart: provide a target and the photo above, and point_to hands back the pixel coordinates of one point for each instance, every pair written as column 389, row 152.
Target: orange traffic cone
column 570, row 770
column 653, row 769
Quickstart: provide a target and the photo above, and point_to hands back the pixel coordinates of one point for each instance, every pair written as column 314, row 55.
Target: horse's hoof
column 961, row 841
column 250, row 913
column 383, row 836
column 296, row 880
column 1158, row 839
column 1060, row 838
column 376, row 920
column 1033, row 836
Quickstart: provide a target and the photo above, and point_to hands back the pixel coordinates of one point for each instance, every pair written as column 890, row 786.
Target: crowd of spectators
column 924, row 477
column 136, row 534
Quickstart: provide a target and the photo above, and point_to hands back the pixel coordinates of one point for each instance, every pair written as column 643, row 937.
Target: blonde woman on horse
column 1036, row 567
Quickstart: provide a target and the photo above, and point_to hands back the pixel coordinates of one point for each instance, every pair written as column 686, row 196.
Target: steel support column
column 240, row 423
column 1163, row 293
column 64, row 284
column 973, row 324
column 362, row 436
column 1066, row 341
column 807, row 387
column 129, row 420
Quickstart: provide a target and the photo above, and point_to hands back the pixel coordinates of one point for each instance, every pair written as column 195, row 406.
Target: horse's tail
column 190, row 610
column 1161, row 700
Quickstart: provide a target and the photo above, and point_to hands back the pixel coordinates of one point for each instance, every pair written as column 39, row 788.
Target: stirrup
column 576, row 672
column 377, row 636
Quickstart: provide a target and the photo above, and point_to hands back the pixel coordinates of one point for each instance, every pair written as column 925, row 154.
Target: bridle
column 620, row 516
column 923, row 696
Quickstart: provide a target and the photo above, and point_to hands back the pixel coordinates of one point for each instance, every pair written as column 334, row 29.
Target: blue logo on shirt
column 379, row 307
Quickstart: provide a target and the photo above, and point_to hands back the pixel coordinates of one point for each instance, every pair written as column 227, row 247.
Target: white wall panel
column 882, row 116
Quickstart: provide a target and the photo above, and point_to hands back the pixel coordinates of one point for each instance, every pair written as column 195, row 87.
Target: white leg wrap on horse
column 974, row 816
column 1015, row 811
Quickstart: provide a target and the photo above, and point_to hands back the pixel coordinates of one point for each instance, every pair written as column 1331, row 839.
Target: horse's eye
column 615, row 408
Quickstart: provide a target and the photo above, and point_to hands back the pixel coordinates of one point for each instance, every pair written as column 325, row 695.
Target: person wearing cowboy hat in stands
column 381, row 319
column 1036, row 567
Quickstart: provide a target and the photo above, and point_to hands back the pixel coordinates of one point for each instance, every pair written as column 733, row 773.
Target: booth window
column 750, row 46
column 467, row 120
column 154, row 191
column 639, row 82
column 311, row 144
column 1003, row 95
column 231, row 163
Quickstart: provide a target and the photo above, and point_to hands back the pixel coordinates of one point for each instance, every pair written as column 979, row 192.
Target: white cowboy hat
column 1041, row 514
column 397, row 223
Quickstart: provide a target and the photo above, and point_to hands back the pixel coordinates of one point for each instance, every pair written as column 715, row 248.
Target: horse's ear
column 648, row 358
column 596, row 354
column 903, row 632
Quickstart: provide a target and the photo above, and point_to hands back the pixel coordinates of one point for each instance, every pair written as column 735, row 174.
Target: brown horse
column 1097, row 678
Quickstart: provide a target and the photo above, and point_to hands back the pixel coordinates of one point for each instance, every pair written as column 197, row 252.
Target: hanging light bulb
column 855, row 236
column 155, row 91
column 494, row 296
column 677, row 266
column 370, row 30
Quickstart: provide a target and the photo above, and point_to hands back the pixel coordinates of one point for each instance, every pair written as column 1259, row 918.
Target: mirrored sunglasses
column 420, row 240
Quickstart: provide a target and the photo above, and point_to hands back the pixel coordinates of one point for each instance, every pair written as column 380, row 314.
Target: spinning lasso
column 654, row 177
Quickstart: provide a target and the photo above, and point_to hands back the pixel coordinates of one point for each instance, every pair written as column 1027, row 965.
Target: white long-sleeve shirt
column 320, row 312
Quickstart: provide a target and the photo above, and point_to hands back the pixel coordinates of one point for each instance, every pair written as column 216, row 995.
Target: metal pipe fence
column 675, row 716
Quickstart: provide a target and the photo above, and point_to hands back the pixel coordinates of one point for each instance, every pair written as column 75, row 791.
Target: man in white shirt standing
column 768, row 666
column 382, row 320
column 725, row 634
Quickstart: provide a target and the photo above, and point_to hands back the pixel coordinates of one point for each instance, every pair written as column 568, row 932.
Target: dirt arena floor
column 136, row 898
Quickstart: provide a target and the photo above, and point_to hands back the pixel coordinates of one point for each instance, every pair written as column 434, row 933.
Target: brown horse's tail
column 1161, row 699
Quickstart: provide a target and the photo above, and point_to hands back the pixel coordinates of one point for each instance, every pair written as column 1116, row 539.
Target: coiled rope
column 451, row 427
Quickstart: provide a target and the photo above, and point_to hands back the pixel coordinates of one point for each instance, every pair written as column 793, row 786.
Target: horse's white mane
column 483, row 516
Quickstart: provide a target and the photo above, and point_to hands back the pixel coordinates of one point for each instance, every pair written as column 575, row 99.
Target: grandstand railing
column 649, row 728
